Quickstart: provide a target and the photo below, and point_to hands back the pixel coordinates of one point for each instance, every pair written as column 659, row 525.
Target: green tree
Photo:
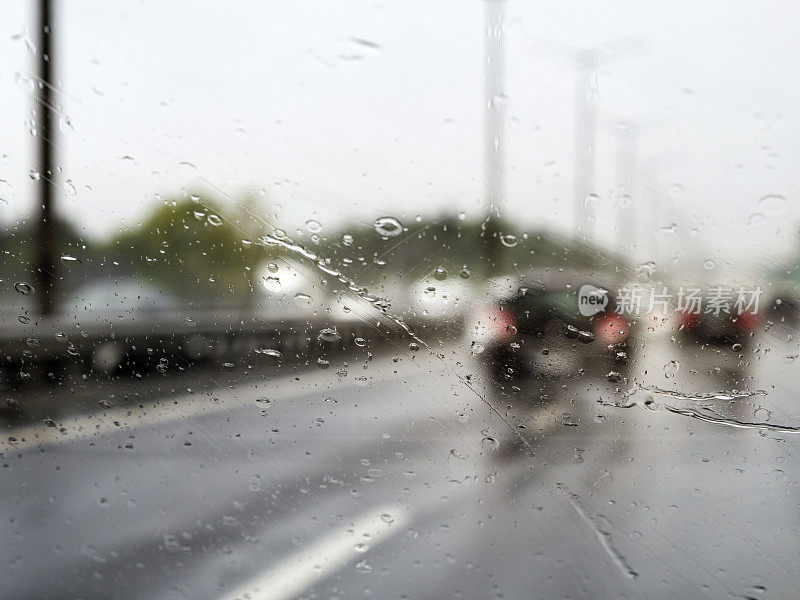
column 194, row 249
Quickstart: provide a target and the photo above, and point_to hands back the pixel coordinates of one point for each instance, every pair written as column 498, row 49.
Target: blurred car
column 128, row 308
column 539, row 329
column 727, row 325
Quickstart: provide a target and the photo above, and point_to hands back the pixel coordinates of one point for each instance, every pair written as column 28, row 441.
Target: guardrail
column 107, row 341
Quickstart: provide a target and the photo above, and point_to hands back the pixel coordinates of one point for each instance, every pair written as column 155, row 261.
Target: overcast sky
column 354, row 110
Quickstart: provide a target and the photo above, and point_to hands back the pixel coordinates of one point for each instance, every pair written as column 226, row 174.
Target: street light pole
column 585, row 142
column 587, row 63
column 627, row 148
column 495, row 105
column 45, row 235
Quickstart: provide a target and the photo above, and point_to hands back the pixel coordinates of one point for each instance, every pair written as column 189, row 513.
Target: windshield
column 459, row 299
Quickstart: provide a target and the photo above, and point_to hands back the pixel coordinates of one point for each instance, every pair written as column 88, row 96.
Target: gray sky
column 156, row 96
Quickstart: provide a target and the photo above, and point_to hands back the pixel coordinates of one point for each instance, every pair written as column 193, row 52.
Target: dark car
column 540, row 329
column 729, row 324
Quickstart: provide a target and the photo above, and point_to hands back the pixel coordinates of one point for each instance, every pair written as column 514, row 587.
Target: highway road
column 410, row 475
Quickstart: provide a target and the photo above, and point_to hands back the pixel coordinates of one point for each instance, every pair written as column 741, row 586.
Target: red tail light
column 747, row 321
column 611, row 328
column 688, row 320
column 500, row 324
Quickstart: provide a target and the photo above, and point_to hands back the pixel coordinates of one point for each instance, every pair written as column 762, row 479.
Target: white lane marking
column 299, row 571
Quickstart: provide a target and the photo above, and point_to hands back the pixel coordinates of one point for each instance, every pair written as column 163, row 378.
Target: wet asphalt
column 412, row 475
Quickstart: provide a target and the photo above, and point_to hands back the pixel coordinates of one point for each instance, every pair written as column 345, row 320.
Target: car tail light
column 496, row 324
column 611, row 328
column 688, row 320
column 746, row 321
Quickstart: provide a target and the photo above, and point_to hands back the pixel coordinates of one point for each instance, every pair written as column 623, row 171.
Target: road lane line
column 300, row 571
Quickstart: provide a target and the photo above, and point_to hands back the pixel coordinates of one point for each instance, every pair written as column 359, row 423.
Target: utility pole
column 587, row 62
column 627, row 142
column 46, row 263
column 585, row 143
column 496, row 106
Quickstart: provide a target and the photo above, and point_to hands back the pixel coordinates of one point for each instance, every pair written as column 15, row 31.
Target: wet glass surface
column 466, row 299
